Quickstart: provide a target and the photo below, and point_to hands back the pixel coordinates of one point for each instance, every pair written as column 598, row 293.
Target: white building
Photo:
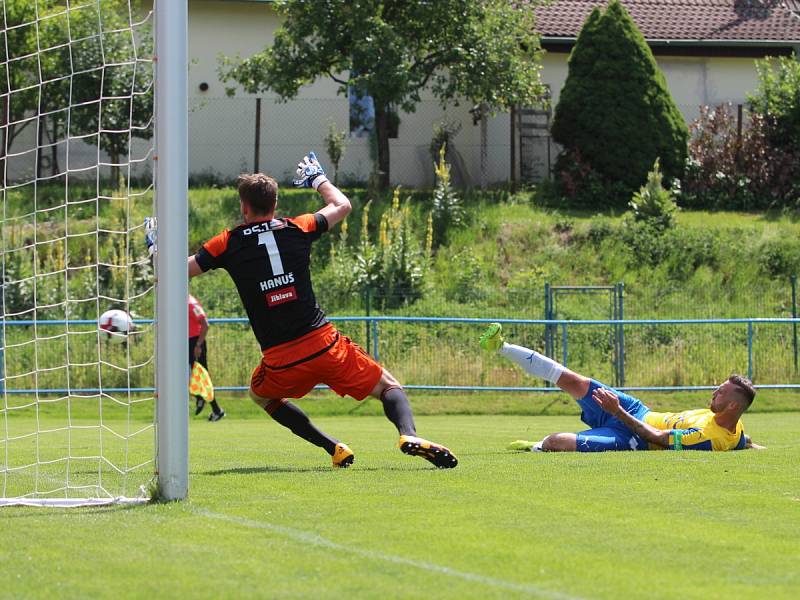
column 706, row 49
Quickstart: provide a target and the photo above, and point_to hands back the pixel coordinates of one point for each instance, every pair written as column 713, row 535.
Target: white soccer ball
column 114, row 325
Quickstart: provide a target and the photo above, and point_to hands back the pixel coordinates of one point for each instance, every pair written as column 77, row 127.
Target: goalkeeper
column 268, row 259
column 621, row 422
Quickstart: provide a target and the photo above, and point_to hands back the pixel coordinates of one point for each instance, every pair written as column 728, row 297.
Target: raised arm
column 311, row 174
column 337, row 205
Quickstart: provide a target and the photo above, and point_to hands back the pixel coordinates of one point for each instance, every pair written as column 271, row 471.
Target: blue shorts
column 607, row 432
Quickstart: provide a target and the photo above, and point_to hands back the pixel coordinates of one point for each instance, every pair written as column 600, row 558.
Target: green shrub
column 687, row 250
column 653, row 204
column 335, row 145
column 599, row 230
column 580, row 185
column 644, row 241
column 615, row 114
column 733, row 171
column 338, row 286
column 466, row 284
column 448, row 211
column 402, row 263
column 444, row 134
column 778, row 100
column 392, row 270
column 779, row 257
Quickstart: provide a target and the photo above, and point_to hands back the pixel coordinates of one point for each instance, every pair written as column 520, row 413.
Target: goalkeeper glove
column 151, row 235
column 309, row 172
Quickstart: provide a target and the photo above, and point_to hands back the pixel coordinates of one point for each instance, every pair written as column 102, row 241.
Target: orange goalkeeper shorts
column 291, row 370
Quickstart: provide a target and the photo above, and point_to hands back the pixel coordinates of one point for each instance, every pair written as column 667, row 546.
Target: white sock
column 533, row 362
column 537, row 447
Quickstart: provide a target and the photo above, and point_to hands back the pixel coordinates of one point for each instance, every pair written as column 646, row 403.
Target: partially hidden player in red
column 268, row 260
column 198, row 351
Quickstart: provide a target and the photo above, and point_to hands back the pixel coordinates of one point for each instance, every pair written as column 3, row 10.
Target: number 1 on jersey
column 268, row 239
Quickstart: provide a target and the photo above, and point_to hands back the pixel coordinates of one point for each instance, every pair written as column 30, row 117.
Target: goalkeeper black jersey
column 269, row 263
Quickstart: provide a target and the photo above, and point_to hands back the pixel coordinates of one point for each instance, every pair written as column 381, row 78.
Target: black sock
column 291, row 417
column 398, row 410
column 215, row 407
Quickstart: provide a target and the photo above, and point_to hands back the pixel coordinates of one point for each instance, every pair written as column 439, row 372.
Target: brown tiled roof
column 723, row 21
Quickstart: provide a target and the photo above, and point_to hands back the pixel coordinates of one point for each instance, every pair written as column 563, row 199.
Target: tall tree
column 778, row 100
column 112, row 93
column 80, row 65
column 481, row 51
column 18, row 76
column 615, row 114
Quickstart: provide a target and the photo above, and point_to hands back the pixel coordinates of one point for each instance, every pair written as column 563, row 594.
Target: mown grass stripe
column 313, row 539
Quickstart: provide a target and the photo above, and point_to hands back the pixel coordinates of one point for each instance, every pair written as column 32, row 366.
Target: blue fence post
column 548, row 314
column 794, row 316
column 366, row 309
column 621, row 296
column 564, row 344
column 375, row 353
column 750, row 350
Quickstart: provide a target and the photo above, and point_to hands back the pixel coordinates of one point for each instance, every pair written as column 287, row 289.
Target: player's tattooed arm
column 609, row 402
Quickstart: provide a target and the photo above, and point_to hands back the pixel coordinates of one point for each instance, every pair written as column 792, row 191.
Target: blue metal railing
column 373, row 343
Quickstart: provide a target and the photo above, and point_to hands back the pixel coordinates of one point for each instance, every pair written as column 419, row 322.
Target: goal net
column 76, row 151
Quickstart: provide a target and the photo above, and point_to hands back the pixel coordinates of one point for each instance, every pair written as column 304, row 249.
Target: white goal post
column 93, row 138
column 172, row 174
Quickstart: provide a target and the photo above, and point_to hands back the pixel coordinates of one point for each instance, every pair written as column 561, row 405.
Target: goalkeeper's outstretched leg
column 293, row 418
column 398, row 411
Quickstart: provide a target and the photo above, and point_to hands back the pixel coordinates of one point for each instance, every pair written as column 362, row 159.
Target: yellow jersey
column 696, row 430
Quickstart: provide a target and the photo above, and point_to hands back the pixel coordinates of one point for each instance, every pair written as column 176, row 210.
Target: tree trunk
column 41, row 127
column 3, row 138
column 382, row 134
column 116, row 172
column 484, row 145
column 54, row 170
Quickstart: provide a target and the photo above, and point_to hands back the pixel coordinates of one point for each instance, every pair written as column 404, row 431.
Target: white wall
column 221, row 129
column 692, row 81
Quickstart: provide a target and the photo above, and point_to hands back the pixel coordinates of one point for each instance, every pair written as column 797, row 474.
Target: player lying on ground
column 268, row 260
column 621, row 422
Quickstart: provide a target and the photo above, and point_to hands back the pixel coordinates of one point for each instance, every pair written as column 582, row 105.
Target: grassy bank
column 494, row 265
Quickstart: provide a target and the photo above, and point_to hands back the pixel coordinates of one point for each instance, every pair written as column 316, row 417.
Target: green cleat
column 492, row 338
column 522, row 445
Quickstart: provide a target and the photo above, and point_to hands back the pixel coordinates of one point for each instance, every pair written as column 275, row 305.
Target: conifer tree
column 615, row 115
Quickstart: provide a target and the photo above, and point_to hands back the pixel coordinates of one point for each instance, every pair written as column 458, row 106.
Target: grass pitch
column 268, row 517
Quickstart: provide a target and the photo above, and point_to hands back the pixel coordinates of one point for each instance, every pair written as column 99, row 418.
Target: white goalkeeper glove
column 151, row 235
column 309, row 172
